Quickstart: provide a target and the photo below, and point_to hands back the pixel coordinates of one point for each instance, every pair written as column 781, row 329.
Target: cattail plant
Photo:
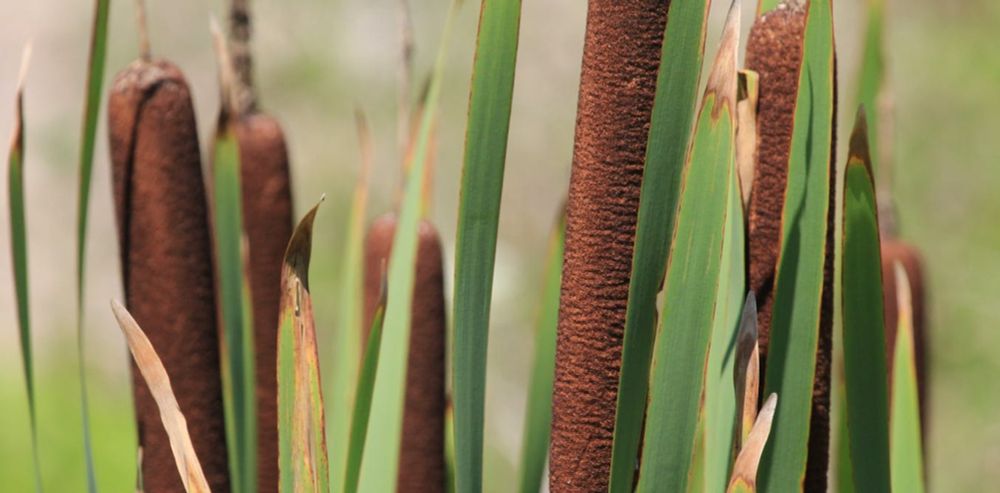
column 421, row 461
column 617, row 83
column 166, row 260
column 267, row 221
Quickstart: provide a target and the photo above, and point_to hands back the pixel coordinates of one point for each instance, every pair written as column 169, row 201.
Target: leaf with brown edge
column 156, row 378
column 744, row 477
column 746, row 375
column 302, row 456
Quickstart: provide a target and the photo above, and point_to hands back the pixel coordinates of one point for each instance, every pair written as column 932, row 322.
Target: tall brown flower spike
column 617, row 84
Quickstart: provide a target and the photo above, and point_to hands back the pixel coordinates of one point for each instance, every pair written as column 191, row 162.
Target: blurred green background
column 318, row 60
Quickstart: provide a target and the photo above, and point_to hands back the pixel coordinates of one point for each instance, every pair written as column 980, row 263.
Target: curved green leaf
column 669, row 133
column 791, row 360
column 693, row 280
column 865, row 372
column 478, row 213
column 538, row 417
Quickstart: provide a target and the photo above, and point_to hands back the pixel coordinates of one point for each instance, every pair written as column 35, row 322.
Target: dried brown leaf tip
column 421, row 461
column 622, row 48
column 747, row 95
column 722, row 78
column 166, row 257
column 747, row 372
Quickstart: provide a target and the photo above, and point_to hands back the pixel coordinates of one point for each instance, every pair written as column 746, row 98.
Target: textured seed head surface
column 774, row 51
column 267, row 220
column 421, row 461
column 166, row 260
column 617, row 83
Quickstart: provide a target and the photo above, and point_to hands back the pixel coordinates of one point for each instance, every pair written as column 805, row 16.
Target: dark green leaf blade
column 19, row 256
column 538, row 418
column 796, row 317
column 692, row 280
column 478, row 213
column 865, row 372
column 669, row 133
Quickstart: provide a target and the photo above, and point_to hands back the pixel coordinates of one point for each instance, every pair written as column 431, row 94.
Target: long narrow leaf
column 865, row 372
column 538, row 418
column 669, row 131
column 746, row 375
column 872, row 73
column 302, row 459
column 906, row 449
column 236, row 315
column 92, row 106
column 693, row 280
column 799, row 284
column 363, row 400
column 19, row 254
column 478, row 213
column 158, row 381
column 744, row 478
column 347, row 336
column 380, row 464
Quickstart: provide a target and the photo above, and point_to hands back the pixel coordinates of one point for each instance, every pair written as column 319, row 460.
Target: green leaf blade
column 865, row 370
column 906, row 449
column 799, row 281
column 363, row 399
column 670, row 129
column 478, row 214
column 692, row 281
column 380, row 461
column 92, row 107
column 237, row 347
column 538, row 419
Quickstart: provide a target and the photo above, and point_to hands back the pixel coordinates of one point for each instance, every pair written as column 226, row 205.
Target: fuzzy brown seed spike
column 421, row 461
column 167, row 262
column 267, row 220
column 774, row 51
column 617, row 83
column 894, row 251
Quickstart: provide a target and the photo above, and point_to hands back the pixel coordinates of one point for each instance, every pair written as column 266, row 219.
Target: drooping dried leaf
column 156, row 378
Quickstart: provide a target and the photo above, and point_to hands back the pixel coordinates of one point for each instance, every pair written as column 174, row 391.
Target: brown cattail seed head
column 267, row 220
column 617, row 83
column 421, row 460
column 167, row 262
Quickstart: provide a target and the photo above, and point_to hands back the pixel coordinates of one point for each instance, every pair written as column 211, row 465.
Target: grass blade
column 19, row 254
column 363, row 401
column 347, row 338
column 744, row 479
column 156, row 378
column 906, row 449
column 693, row 279
column 870, row 79
column 92, row 107
column 798, row 324
column 669, row 132
column 538, row 417
column 379, row 471
column 865, row 372
column 236, row 315
column 302, row 459
column 478, row 213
